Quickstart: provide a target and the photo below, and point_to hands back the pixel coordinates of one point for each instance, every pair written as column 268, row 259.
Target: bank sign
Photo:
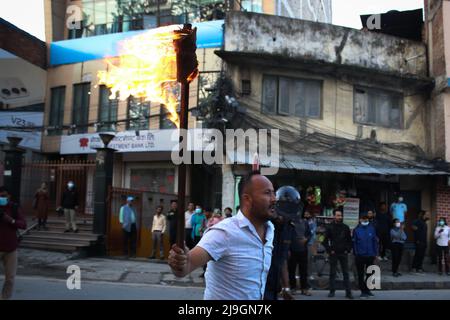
column 130, row 141
column 18, row 121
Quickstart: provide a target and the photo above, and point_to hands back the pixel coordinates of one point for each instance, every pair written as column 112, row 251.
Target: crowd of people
column 379, row 236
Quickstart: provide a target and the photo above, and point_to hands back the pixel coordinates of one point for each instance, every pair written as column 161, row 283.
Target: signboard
column 351, row 212
column 135, row 141
column 15, row 119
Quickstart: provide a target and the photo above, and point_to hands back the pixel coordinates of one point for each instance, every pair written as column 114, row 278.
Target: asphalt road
column 38, row 288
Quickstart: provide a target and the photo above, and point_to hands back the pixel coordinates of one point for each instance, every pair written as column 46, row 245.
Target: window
column 294, row 97
column 252, row 5
column 107, row 112
column 153, row 179
column 56, row 117
column 378, row 107
column 138, row 114
column 164, row 122
column 80, row 109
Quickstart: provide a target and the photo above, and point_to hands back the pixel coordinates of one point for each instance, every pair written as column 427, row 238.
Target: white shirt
column 187, row 219
column 442, row 238
column 159, row 223
column 241, row 261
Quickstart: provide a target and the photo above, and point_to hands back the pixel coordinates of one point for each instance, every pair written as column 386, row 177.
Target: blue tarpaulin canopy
column 209, row 35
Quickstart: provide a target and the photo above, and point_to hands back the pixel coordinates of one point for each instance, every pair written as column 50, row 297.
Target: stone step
column 63, row 238
column 62, row 227
column 55, row 246
column 56, row 221
column 61, row 234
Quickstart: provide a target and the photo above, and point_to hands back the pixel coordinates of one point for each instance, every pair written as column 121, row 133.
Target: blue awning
column 209, row 35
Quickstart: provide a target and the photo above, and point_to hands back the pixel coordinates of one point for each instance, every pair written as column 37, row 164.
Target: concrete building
column 351, row 107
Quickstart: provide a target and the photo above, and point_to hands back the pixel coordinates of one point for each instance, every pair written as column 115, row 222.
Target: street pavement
column 40, row 288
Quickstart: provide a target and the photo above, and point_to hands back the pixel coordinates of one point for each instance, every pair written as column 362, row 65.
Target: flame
column 146, row 67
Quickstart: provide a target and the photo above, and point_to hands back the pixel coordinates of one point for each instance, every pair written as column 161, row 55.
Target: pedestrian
column 228, row 212
column 442, row 236
column 198, row 222
column 299, row 256
column 398, row 238
column 365, row 247
column 172, row 218
column 11, row 219
column 127, row 218
column 288, row 205
column 312, row 223
column 420, row 229
column 69, row 203
column 238, row 250
column 215, row 219
column 383, row 226
column 41, row 204
column 399, row 209
column 338, row 244
column 188, row 226
column 158, row 230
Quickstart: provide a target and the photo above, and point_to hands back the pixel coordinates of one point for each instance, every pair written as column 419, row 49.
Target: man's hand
column 7, row 218
column 178, row 261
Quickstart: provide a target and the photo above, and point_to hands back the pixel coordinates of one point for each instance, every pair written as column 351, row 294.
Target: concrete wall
column 33, row 77
column 337, row 108
column 300, row 39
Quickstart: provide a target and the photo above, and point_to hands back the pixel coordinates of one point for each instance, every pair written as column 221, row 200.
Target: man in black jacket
column 338, row 243
column 383, row 227
column 69, row 203
column 420, row 240
column 172, row 218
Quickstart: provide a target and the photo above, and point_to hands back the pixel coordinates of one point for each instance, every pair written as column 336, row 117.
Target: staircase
column 54, row 239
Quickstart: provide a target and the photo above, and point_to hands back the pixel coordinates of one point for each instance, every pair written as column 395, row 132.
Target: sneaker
column 399, row 274
column 448, row 273
column 67, row 230
column 349, row 296
column 306, row 293
column 364, row 296
column 202, row 275
column 420, row 271
column 331, row 294
column 75, row 231
column 395, row 274
column 370, row 294
column 440, row 273
column 151, row 257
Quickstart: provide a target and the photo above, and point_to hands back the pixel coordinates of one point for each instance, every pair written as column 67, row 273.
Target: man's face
column 191, row 206
column 159, row 210
column 338, row 216
column 364, row 220
column 370, row 215
column 307, row 215
column 173, row 206
column 227, row 212
column 261, row 197
column 426, row 216
column 383, row 208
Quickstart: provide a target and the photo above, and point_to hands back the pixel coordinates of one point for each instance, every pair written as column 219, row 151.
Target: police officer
column 287, row 207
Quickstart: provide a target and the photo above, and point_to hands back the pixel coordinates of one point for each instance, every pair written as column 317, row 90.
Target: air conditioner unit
column 12, row 88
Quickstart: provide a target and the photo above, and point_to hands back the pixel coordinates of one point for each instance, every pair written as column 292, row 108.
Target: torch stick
column 184, row 106
column 187, row 70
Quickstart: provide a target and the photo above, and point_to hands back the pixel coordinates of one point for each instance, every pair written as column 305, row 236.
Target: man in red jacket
column 11, row 219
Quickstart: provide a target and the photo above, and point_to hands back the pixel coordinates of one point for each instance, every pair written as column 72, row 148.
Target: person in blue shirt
column 398, row 210
column 365, row 248
column 127, row 218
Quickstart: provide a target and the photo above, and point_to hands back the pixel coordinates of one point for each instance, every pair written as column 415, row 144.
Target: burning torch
column 187, row 70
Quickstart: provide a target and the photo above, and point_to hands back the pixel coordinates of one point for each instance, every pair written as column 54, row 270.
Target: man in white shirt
column 158, row 229
column 238, row 250
column 188, row 225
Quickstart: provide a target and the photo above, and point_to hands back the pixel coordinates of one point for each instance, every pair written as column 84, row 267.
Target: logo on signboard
column 84, row 142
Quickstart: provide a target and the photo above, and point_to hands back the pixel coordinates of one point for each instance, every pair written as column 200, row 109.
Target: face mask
column 441, row 223
column 198, row 210
column 397, row 225
column 70, row 185
column 366, row 223
column 3, row 201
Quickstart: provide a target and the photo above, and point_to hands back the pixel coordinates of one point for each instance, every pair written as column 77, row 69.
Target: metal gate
column 145, row 205
column 56, row 174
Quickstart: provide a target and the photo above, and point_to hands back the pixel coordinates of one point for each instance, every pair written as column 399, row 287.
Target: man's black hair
column 208, row 209
column 421, row 213
column 245, row 181
column 228, row 209
column 172, row 201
